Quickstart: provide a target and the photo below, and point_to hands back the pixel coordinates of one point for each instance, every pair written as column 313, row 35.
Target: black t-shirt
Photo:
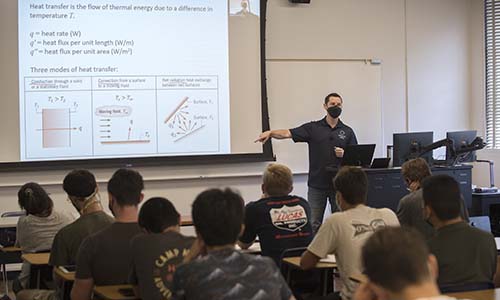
column 322, row 139
column 280, row 222
column 154, row 260
column 106, row 256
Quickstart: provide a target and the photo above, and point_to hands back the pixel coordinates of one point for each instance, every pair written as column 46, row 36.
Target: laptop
column 358, row 155
column 380, row 163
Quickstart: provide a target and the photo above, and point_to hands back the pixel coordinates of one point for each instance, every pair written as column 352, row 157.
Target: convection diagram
column 117, row 126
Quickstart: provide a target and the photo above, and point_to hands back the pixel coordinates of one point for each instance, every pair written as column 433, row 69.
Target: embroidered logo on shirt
column 360, row 228
column 290, row 218
column 342, row 135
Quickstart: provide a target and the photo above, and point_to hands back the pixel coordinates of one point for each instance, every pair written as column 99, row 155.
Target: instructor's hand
column 339, row 152
column 263, row 137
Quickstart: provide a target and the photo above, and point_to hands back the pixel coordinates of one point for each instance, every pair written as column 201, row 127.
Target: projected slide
column 106, row 79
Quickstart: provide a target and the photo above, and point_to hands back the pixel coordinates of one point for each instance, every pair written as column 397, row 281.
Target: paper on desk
column 330, row 258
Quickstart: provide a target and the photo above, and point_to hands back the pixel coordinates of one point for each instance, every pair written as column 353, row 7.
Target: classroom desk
column 66, row 279
column 254, row 249
column 186, row 221
column 38, row 262
column 359, row 278
column 326, row 268
column 111, row 292
column 493, row 294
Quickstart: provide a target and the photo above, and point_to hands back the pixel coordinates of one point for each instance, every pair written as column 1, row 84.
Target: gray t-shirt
column 465, row 254
column 68, row 239
column 231, row 275
column 154, row 260
column 35, row 234
column 411, row 213
column 106, row 256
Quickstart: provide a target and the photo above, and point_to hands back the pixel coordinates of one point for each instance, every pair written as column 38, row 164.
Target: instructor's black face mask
column 334, row 111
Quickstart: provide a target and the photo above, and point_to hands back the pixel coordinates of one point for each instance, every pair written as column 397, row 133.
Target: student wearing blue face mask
column 326, row 139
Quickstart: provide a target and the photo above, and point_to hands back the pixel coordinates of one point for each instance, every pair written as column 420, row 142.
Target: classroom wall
column 339, row 29
column 438, row 66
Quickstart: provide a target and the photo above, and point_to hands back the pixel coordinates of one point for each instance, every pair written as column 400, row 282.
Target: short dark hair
column 352, row 183
column 395, row 258
column 126, row 186
column 327, row 98
column 442, row 194
column 157, row 214
column 35, row 200
column 416, row 170
column 79, row 183
column 218, row 216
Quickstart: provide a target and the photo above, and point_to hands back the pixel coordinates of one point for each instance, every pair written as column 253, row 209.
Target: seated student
column 345, row 232
column 279, row 220
column 411, row 207
column 156, row 254
column 466, row 255
column 223, row 272
column 399, row 267
column 82, row 191
column 104, row 258
column 36, row 230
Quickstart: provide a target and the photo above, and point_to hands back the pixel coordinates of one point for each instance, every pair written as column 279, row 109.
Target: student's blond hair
column 277, row 180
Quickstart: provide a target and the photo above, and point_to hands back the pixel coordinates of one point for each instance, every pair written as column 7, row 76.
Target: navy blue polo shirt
column 322, row 139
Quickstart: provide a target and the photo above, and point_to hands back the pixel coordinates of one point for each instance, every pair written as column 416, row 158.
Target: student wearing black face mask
column 326, row 139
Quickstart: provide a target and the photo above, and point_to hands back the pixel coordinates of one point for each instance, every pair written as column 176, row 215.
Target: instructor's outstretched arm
column 277, row 134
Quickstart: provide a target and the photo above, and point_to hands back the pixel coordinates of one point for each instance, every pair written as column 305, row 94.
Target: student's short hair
column 352, row 183
column 395, row 258
column 218, row 216
column 416, row 170
column 126, row 186
column 34, row 200
column 327, row 98
column 277, row 180
column 442, row 194
column 79, row 183
column 157, row 214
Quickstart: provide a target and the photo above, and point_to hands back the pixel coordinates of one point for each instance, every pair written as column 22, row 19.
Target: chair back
column 290, row 252
column 10, row 214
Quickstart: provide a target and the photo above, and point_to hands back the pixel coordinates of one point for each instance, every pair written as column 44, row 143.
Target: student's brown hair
column 415, row 170
column 395, row 258
column 352, row 183
column 277, row 180
column 35, row 200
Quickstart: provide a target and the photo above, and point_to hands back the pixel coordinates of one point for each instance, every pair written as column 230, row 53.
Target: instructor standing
column 327, row 139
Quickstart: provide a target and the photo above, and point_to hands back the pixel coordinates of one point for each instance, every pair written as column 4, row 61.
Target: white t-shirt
column 344, row 233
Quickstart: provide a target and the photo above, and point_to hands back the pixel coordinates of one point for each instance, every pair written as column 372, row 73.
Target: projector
column 300, row 1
